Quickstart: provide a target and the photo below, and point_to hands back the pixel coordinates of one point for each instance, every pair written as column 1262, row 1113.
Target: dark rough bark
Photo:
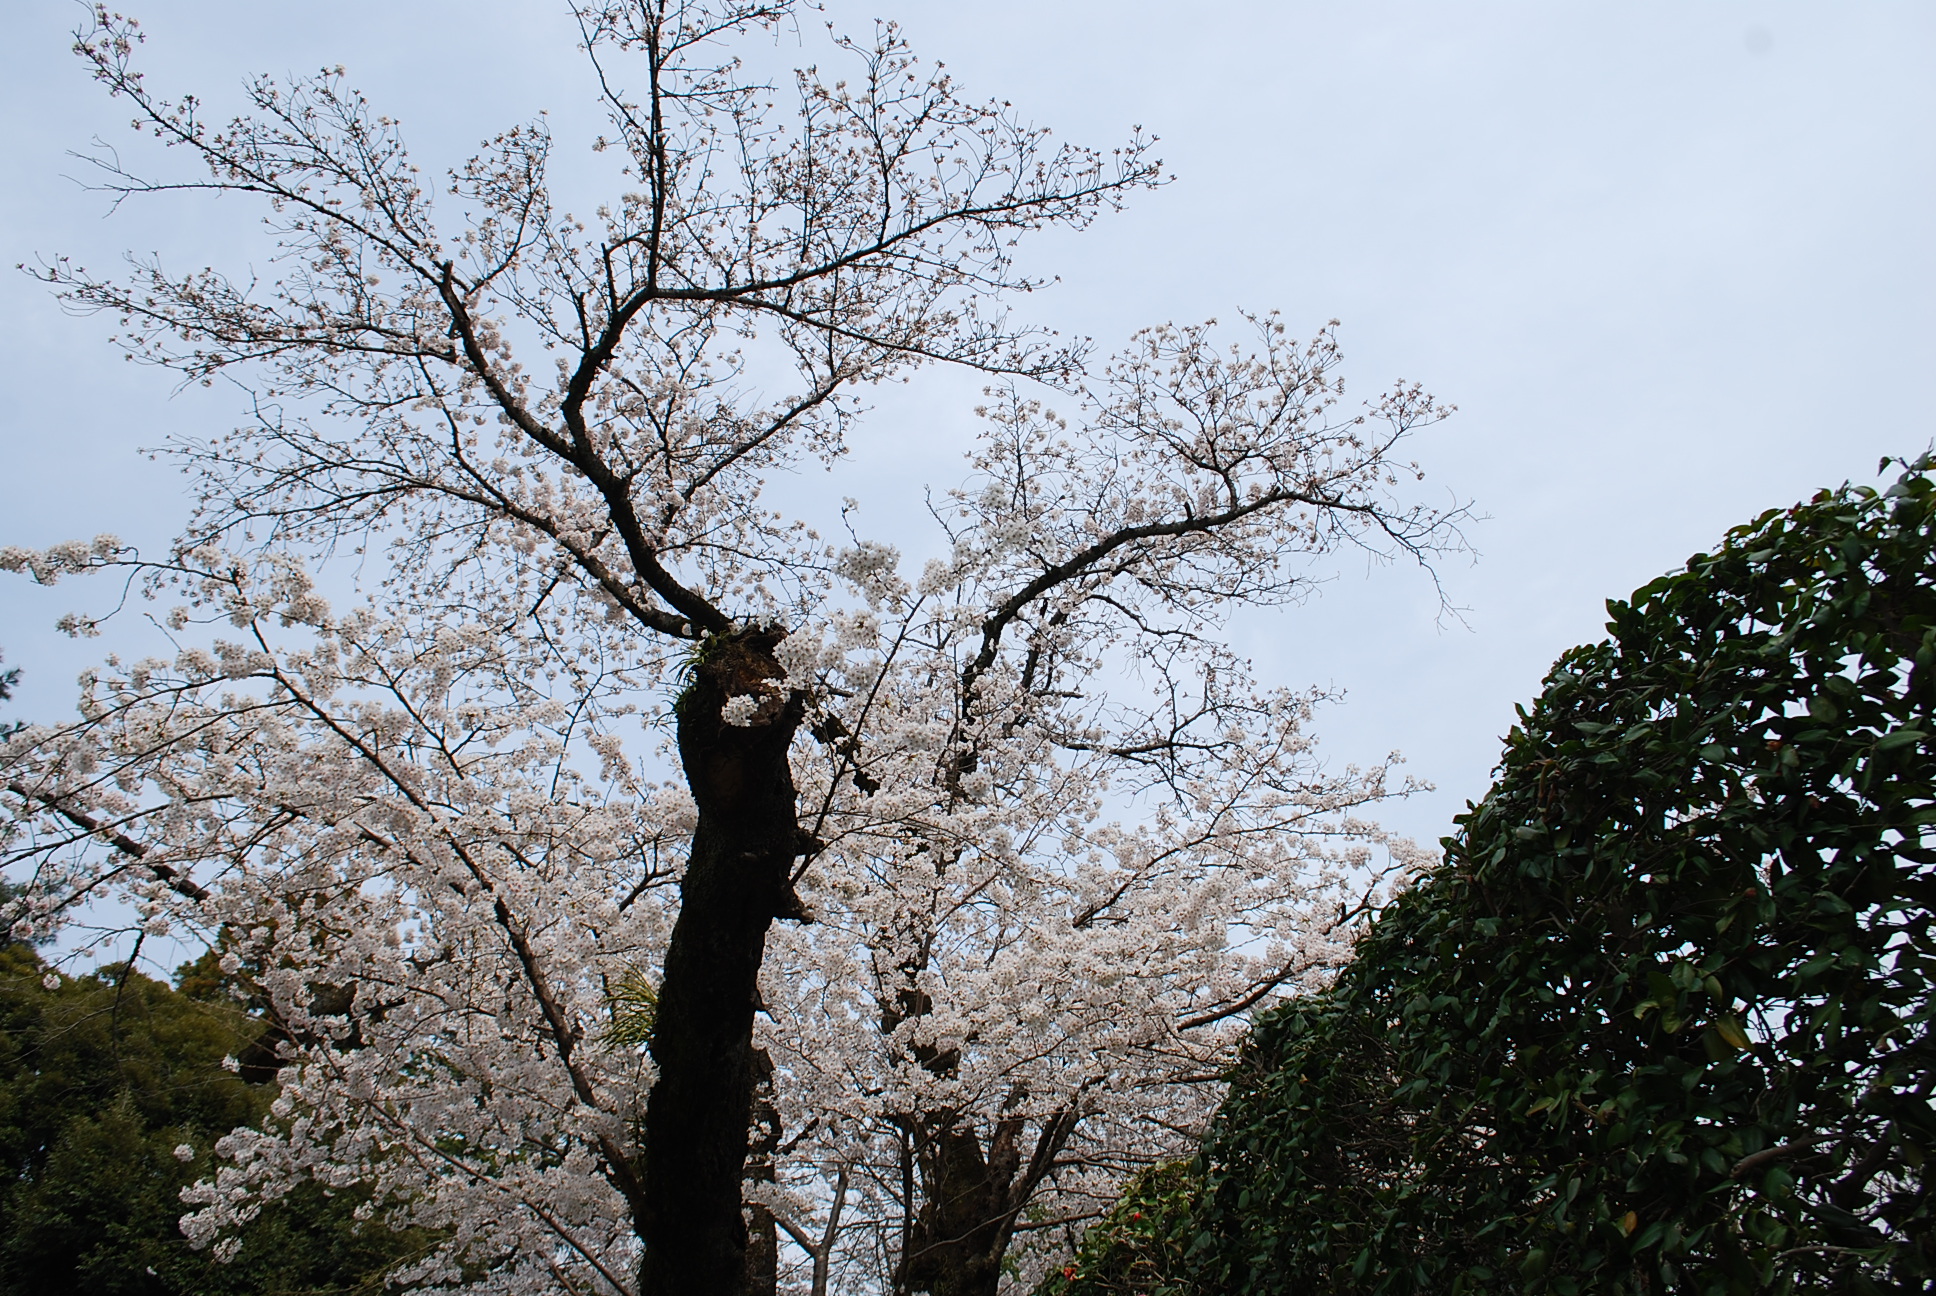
column 762, row 1143
column 961, row 1233
column 736, row 883
column 972, row 1200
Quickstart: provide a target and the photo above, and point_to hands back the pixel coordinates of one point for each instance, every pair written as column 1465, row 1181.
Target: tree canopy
column 114, row 1095
column 1660, row 1021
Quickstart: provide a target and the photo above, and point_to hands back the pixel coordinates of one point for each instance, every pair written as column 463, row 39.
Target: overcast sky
column 1672, row 261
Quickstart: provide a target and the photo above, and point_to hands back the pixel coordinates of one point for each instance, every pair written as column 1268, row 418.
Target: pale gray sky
column 1672, row 260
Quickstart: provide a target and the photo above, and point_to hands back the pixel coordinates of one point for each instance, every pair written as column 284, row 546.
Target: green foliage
column 1142, row 1247
column 633, row 1002
column 1661, row 1020
column 101, row 1080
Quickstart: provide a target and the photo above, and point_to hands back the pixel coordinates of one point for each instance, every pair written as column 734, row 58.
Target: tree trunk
column 971, row 1198
column 955, row 1242
column 736, row 883
column 763, row 1143
column 961, row 1234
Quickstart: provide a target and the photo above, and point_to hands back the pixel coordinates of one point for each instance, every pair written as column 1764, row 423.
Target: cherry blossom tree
column 1050, row 991
column 502, row 835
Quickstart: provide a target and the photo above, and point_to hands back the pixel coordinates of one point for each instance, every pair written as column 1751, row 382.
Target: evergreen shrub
column 1660, row 1021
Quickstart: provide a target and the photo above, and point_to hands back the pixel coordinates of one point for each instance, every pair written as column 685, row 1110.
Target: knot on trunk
column 736, row 678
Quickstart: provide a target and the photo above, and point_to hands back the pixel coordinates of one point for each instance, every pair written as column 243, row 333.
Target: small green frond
column 632, row 1002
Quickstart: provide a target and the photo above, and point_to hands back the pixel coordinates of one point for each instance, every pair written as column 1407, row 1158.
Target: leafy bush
column 1142, row 1247
column 112, row 1092
column 1661, row 1019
